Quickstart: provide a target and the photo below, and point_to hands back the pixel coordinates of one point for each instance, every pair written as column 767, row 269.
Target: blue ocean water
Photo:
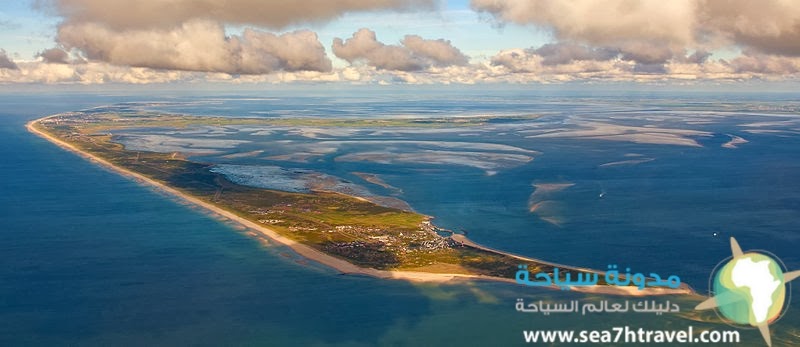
column 672, row 213
column 90, row 258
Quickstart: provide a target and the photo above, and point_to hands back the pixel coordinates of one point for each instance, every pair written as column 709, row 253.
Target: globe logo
column 749, row 289
column 754, row 285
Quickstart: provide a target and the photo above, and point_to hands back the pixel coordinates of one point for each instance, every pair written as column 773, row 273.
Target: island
column 351, row 234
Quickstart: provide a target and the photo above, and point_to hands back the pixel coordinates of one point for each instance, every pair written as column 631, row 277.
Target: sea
column 652, row 180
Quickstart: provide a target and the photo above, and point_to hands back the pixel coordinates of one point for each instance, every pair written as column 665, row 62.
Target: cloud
column 94, row 72
column 365, row 46
column 606, row 23
column 190, row 35
column 565, row 57
column 6, row 62
column 647, row 32
column 440, row 52
column 563, row 53
column 414, row 53
column 527, row 65
column 650, row 37
column 559, row 59
column 198, row 46
column 754, row 62
column 186, row 41
column 647, row 53
column 698, row 57
column 165, row 14
column 89, row 73
column 519, row 66
column 771, row 27
column 652, row 31
column 55, row 56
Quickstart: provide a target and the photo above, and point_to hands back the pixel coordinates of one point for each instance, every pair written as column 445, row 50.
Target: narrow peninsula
column 349, row 233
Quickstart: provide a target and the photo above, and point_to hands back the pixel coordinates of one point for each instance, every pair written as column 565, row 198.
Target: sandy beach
column 339, row 264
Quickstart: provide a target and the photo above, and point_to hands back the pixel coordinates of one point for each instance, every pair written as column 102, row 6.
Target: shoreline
column 341, row 265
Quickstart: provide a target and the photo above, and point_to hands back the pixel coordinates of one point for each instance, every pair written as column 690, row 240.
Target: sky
column 87, row 42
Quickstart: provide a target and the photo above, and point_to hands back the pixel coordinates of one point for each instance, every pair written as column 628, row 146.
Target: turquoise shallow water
column 90, row 258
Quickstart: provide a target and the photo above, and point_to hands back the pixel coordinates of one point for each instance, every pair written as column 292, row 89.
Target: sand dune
column 627, row 162
column 543, row 206
column 613, row 132
column 734, row 142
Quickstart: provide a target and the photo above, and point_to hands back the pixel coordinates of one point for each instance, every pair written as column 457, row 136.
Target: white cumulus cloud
column 413, row 54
